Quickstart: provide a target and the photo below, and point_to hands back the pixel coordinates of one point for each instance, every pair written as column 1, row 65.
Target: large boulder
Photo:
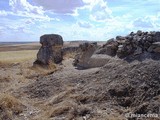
column 51, row 49
column 51, row 40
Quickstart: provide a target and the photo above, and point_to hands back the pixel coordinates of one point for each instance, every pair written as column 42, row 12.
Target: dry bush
column 9, row 106
column 30, row 71
column 69, row 110
column 61, row 96
column 61, row 110
column 65, row 105
column 37, row 70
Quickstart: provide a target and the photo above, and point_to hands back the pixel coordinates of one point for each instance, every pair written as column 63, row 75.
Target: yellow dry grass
column 10, row 57
column 9, row 106
column 70, row 55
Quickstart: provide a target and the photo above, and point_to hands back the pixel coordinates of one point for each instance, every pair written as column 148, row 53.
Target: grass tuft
column 9, row 106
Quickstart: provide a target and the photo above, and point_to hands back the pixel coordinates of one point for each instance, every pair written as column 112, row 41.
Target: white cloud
column 84, row 24
column 23, row 5
column 3, row 13
column 143, row 23
column 23, row 8
column 149, row 23
column 29, row 21
column 60, row 6
column 99, row 10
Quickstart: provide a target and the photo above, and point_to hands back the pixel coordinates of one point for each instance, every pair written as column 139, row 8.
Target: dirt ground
column 51, row 96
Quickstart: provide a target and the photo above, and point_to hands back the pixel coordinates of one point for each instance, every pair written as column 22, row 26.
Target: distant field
column 18, row 47
column 17, row 56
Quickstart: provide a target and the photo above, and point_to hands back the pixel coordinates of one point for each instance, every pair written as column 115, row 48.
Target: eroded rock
column 109, row 48
column 51, row 49
column 87, row 50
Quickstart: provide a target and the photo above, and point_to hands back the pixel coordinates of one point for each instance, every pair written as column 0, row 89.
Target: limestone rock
column 87, row 50
column 51, row 49
column 51, row 40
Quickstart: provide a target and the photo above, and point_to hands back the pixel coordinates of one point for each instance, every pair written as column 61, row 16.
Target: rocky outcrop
column 132, row 44
column 139, row 45
column 87, row 57
column 51, row 49
column 82, row 59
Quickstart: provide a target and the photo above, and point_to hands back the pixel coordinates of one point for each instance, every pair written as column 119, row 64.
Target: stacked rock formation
column 51, row 49
column 139, row 45
column 132, row 44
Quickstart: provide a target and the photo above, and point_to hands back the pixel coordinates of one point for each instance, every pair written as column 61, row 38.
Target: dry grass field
column 17, row 53
column 10, row 57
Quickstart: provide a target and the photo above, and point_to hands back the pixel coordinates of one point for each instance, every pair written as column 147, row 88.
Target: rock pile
column 132, row 44
column 51, row 49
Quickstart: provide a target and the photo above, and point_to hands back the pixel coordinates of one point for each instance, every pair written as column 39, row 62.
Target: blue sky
column 27, row 20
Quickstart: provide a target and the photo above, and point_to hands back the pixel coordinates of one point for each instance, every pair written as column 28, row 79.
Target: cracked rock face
column 51, row 49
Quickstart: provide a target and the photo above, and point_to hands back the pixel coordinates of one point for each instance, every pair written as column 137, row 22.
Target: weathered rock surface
column 109, row 48
column 155, row 47
column 87, row 57
column 132, row 44
column 51, row 49
column 87, row 50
